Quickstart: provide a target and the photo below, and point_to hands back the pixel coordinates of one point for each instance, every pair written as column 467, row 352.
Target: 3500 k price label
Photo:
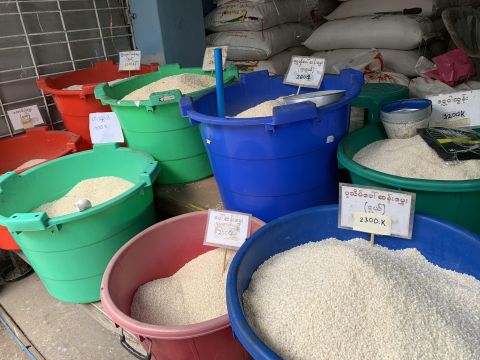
column 372, row 223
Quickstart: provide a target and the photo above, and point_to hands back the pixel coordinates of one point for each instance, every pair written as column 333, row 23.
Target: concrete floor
column 60, row 331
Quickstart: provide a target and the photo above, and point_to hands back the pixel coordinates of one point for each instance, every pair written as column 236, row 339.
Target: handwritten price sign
column 458, row 109
column 105, row 128
column 305, row 71
column 377, row 211
column 25, row 117
column 129, row 60
column 227, row 229
column 209, row 58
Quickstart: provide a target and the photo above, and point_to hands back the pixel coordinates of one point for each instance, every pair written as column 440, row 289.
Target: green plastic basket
column 157, row 127
column 455, row 201
column 70, row 253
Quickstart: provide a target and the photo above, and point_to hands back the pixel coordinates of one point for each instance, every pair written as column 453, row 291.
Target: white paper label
column 398, row 206
column 25, row 117
column 105, row 128
column 458, row 109
column 129, row 60
column 305, row 71
column 372, row 223
column 227, row 229
column 209, row 58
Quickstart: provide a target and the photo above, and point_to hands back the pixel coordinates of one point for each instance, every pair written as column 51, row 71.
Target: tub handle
column 134, row 352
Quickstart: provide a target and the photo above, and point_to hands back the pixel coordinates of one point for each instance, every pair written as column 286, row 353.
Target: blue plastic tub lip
column 242, row 330
column 415, row 103
column 192, row 113
column 444, row 186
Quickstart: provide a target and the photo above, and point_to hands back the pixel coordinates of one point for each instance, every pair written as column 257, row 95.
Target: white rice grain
column 346, row 300
column 96, row 190
column 413, row 158
column 186, row 83
column 195, row 293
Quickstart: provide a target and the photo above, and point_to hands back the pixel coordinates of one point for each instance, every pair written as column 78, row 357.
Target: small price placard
column 459, row 109
column 376, row 211
column 105, row 128
column 305, row 71
column 129, row 60
column 227, row 229
column 209, row 58
column 25, row 117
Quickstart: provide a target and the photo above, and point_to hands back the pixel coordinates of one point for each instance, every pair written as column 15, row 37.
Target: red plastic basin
column 75, row 105
column 36, row 143
column 159, row 252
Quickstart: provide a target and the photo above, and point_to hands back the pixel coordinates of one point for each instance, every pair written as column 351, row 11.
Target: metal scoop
column 320, row 98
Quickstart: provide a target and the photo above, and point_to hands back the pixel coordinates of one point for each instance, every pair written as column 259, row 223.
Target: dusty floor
column 60, row 331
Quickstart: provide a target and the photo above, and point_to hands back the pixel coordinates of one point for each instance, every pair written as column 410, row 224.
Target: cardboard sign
column 375, row 205
column 105, row 128
column 209, row 58
column 25, row 117
column 129, row 60
column 458, row 109
column 305, row 71
column 227, row 229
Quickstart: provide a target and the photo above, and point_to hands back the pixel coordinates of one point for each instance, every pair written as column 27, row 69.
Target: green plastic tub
column 70, row 253
column 455, row 201
column 157, row 127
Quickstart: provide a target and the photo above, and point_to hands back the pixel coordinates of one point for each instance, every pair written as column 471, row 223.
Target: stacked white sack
column 264, row 34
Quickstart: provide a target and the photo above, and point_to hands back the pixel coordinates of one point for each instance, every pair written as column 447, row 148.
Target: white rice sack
column 439, row 5
column 249, row 16
column 370, row 7
column 276, row 65
column 398, row 61
column 386, row 77
column 385, row 32
column 421, row 87
column 260, row 45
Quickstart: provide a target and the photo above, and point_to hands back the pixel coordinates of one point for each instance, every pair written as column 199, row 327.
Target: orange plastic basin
column 75, row 105
column 36, row 143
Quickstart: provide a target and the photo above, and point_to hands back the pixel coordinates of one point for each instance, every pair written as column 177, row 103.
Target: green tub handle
column 150, row 173
column 163, row 98
column 34, row 221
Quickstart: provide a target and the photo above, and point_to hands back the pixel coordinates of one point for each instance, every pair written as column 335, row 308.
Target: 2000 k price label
column 372, row 223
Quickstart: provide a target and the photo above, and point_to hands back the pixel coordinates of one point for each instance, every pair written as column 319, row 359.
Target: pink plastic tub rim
column 157, row 331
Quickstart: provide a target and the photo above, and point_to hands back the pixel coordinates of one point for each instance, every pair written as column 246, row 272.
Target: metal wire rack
column 50, row 37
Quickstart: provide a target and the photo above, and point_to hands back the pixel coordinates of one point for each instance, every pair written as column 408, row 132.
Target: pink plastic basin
column 159, row 252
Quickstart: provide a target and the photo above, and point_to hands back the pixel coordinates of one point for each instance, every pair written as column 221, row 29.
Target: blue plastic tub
column 274, row 165
column 446, row 245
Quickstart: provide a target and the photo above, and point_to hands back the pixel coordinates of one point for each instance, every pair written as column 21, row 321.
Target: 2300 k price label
column 372, row 223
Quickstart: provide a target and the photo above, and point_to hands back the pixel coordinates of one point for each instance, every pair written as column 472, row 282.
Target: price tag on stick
column 227, row 229
column 129, row 60
column 305, row 71
column 25, row 117
column 209, row 58
column 105, row 128
column 376, row 211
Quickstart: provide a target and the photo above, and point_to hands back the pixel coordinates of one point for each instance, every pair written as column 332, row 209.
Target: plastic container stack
column 263, row 35
column 181, row 241
column 36, row 146
column 156, row 126
column 75, row 104
column 70, row 253
column 271, row 166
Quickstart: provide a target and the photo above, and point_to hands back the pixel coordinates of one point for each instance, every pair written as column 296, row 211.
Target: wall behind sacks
column 52, row 37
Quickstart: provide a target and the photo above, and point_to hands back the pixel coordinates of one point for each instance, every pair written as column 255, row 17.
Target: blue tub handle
column 283, row 114
column 186, row 105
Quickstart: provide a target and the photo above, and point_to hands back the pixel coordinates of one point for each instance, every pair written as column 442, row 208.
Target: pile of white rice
column 414, row 158
column 195, row 293
column 186, row 83
column 346, row 300
column 261, row 110
column 96, row 190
